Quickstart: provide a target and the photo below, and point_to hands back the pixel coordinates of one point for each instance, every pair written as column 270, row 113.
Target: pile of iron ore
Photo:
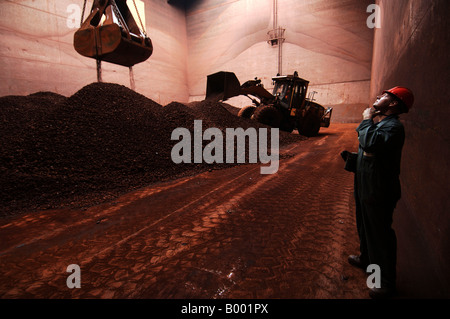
column 103, row 141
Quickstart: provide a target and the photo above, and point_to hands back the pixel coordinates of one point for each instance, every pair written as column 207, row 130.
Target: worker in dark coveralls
column 377, row 185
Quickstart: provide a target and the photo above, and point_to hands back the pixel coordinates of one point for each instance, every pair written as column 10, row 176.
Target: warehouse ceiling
column 186, row 4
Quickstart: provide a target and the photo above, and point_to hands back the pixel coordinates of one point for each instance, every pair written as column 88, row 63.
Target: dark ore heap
column 101, row 142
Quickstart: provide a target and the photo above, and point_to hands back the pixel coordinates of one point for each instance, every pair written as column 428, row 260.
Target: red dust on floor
column 230, row 233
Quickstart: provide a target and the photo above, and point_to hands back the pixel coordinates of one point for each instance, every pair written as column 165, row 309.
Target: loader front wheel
column 309, row 125
column 287, row 125
column 247, row 111
column 268, row 115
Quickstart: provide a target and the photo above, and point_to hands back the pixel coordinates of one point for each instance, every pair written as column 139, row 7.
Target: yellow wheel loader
column 286, row 108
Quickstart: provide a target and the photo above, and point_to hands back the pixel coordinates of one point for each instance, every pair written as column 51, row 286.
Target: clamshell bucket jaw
column 111, row 34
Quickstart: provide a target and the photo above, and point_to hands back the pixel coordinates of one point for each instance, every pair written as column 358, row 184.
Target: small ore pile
column 103, row 141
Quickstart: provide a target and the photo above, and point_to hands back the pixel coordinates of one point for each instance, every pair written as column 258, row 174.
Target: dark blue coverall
column 377, row 190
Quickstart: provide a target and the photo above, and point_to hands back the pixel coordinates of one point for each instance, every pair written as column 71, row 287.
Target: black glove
column 350, row 161
column 344, row 155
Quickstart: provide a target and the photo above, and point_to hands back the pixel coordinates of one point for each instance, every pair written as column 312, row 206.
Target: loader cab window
column 299, row 93
column 284, row 91
column 280, row 89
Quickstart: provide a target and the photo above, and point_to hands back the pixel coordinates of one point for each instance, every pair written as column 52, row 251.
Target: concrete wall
column 37, row 54
column 411, row 49
column 327, row 42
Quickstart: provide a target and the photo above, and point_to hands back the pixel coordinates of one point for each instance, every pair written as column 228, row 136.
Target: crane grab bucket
column 111, row 34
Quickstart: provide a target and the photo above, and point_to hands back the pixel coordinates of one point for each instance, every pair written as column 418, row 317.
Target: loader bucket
column 222, row 86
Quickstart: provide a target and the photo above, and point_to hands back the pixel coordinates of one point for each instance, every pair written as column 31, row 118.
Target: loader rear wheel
column 268, row 115
column 247, row 111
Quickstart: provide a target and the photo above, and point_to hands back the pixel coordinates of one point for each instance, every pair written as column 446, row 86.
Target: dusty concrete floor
column 231, row 233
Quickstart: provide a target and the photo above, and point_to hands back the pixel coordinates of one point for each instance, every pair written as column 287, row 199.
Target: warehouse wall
column 411, row 49
column 327, row 42
column 36, row 51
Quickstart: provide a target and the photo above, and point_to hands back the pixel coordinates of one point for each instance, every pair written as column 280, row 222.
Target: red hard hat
column 403, row 94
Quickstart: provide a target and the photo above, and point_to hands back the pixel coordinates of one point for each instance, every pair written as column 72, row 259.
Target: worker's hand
column 369, row 113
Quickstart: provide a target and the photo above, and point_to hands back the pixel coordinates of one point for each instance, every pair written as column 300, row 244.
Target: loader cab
column 290, row 90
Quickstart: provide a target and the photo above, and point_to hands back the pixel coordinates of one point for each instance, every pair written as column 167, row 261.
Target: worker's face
column 383, row 102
